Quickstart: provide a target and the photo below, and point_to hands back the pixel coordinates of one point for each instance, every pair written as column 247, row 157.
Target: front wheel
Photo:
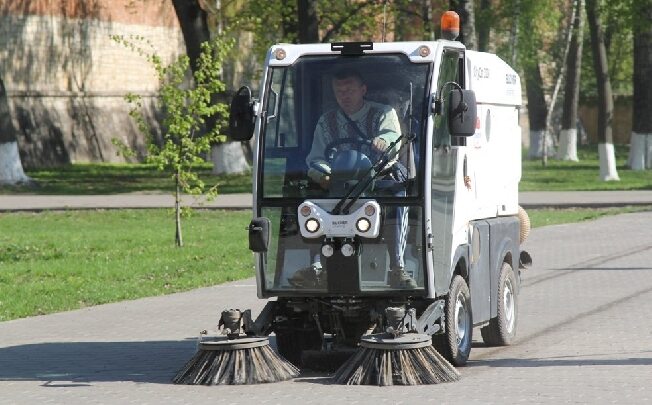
column 455, row 343
column 501, row 330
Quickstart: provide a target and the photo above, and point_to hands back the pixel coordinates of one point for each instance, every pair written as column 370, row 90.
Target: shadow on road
column 560, row 362
column 86, row 362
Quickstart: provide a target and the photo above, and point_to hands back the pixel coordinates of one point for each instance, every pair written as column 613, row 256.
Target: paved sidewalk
column 538, row 199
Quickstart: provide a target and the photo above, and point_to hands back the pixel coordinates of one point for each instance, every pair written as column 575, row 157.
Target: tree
column 467, row 21
column 483, row 22
column 640, row 157
column 568, row 136
column 605, row 96
column 227, row 157
column 308, row 21
column 185, row 139
column 11, row 167
column 537, row 110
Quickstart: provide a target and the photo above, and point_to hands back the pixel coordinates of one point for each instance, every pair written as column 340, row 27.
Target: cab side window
column 449, row 71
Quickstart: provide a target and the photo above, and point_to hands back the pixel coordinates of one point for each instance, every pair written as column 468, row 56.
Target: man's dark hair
column 346, row 73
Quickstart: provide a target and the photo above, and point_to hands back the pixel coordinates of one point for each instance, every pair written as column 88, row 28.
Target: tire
column 501, row 330
column 455, row 343
column 524, row 224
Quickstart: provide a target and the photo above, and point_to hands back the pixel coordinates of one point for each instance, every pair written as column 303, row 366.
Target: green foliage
column 187, row 109
column 618, row 17
column 56, row 261
column 560, row 175
column 276, row 21
column 192, row 117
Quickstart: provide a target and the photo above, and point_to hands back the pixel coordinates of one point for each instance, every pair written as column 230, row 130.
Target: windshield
column 329, row 120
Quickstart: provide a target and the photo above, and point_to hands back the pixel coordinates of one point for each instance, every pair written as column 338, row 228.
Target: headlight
column 369, row 210
column 363, row 225
column 327, row 250
column 312, row 225
column 347, row 249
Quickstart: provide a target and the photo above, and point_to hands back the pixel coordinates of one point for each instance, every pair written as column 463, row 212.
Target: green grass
column 552, row 216
column 583, row 175
column 56, row 261
column 105, row 178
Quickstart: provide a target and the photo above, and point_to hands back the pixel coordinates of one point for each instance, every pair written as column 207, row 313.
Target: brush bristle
column 396, row 367
column 239, row 366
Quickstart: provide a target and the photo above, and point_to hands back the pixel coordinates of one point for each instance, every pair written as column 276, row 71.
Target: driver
column 377, row 123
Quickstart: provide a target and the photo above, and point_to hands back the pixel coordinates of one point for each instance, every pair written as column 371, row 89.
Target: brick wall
column 65, row 78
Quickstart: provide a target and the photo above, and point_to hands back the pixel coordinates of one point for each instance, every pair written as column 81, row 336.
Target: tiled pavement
column 585, row 336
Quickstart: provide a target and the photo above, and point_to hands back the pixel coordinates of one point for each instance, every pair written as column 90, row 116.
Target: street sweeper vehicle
column 385, row 200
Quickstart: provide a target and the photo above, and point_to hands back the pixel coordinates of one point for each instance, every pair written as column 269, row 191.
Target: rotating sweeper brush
column 396, row 357
column 234, row 358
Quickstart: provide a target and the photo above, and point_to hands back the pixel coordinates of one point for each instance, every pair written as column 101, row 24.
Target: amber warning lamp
column 450, row 25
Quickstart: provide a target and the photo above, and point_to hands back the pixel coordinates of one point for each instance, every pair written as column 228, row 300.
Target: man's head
column 349, row 90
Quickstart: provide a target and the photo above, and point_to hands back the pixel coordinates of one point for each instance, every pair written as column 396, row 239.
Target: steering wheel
column 332, row 147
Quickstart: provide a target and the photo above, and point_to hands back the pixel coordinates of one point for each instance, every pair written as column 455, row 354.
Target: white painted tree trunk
column 536, row 145
column 228, row 158
column 567, row 145
column 607, row 155
column 640, row 151
column 11, row 168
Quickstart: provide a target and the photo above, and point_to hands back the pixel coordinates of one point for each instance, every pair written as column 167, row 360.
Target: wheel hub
column 508, row 303
column 461, row 320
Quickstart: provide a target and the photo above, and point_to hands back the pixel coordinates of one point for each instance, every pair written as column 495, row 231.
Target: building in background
column 65, row 78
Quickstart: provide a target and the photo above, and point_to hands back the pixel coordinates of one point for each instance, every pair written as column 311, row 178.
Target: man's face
column 349, row 93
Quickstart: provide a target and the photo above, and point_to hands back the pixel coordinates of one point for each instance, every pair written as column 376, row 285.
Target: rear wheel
column 455, row 342
column 501, row 330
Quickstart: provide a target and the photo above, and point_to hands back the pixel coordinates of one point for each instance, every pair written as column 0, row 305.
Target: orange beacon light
column 450, row 25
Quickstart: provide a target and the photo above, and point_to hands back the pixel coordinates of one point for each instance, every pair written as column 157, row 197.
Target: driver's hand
column 379, row 145
column 324, row 182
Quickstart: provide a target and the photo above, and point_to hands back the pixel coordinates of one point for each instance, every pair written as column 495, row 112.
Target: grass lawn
column 106, row 178
column 57, row 261
column 583, row 175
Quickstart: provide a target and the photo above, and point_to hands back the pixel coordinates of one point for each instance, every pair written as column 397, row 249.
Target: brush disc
column 224, row 343
column 385, row 341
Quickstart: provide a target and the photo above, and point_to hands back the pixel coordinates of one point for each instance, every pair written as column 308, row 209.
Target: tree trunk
column 178, row 237
column 308, row 22
column 194, row 27
column 467, row 21
column 640, row 149
column 228, row 158
column 513, row 32
column 568, row 136
column 605, row 96
column 11, row 168
column 484, row 25
column 537, row 111
column 560, row 78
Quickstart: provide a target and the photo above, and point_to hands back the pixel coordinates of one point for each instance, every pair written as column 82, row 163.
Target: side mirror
column 461, row 112
column 259, row 234
column 241, row 118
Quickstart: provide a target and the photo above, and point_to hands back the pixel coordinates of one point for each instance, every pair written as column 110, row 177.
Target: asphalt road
column 585, row 336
